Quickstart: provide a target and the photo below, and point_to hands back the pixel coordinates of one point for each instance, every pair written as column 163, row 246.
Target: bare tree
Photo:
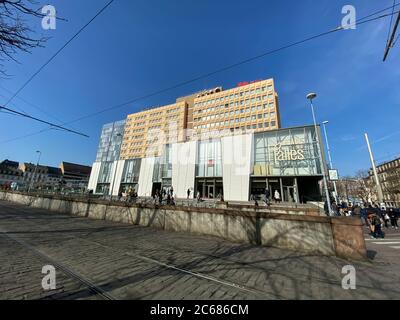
column 365, row 188
column 15, row 33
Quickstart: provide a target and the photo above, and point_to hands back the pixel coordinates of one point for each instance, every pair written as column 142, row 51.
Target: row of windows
column 173, row 110
column 232, row 113
column 235, row 96
column 155, row 114
column 231, row 123
column 237, row 103
column 244, row 119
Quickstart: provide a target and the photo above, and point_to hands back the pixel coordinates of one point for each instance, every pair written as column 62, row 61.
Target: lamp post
column 34, row 173
column 310, row 97
column 115, row 172
column 378, row 184
column 330, row 158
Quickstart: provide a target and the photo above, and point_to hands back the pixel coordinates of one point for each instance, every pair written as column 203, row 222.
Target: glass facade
column 105, row 172
column 288, row 152
column 131, row 171
column 209, row 162
column 110, row 142
column 163, row 166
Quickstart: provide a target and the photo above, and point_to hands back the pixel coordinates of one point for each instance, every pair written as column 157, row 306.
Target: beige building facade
column 248, row 108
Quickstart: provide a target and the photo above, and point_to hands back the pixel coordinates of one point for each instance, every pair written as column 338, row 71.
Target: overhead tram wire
column 361, row 21
column 391, row 22
column 380, row 11
column 207, row 75
column 42, row 121
column 59, row 51
column 58, row 120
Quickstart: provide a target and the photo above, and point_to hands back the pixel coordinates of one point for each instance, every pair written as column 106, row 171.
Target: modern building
column 216, row 142
column 247, row 108
column 389, row 177
column 108, row 155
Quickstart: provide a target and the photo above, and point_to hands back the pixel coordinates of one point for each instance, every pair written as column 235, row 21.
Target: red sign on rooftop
column 245, row 83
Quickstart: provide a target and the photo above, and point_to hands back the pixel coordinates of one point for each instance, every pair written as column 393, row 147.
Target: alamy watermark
column 49, row 20
column 49, row 280
column 349, row 280
column 349, row 21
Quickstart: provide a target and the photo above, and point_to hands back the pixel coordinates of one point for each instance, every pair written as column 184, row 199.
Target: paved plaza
column 97, row 259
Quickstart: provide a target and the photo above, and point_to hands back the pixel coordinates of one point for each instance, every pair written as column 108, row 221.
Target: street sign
column 333, row 175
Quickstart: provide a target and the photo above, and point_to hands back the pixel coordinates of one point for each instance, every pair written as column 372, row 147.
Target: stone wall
column 311, row 234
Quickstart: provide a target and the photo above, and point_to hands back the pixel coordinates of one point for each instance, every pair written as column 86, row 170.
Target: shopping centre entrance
column 290, row 189
column 209, row 188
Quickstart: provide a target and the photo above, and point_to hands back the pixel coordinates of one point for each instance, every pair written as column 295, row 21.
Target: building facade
column 10, row 173
column 108, row 155
column 250, row 107
column 213, row 143
column 389, row 177
column 74, row 175
column 40, row 176
column 235, row 167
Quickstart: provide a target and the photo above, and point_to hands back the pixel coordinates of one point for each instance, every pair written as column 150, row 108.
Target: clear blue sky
column 137, row 47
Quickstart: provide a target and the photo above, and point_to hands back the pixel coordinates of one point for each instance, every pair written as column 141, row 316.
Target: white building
column 235, row 166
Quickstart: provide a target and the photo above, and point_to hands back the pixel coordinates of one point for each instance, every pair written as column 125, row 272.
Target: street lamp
column 330, row 157
column 34, row 173
column 311, row 97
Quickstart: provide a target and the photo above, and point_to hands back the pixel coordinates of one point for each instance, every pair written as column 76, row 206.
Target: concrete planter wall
column 297, row 231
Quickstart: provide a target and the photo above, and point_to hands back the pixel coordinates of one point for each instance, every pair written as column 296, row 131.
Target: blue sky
column 138, row 47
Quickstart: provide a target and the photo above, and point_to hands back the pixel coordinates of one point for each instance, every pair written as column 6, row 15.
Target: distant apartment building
column 75, row 175
column 389, row 177
column 214, row 143
column 9, row 172
column 40, row 175
column 69, row 175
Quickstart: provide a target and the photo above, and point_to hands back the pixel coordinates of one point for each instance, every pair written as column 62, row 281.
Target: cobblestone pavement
column 104, row 260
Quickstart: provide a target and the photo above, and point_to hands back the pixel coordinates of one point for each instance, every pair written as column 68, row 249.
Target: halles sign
column 289, row 153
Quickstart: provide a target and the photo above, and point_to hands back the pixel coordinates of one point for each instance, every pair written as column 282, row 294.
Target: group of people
column 166, row 195
column 378, row 219
column 199, row 198
column 129, row 195
column 267, row 197
column 343, row 209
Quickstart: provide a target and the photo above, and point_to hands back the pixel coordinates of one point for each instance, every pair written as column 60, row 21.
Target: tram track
column 66, row 270
column 131, row 253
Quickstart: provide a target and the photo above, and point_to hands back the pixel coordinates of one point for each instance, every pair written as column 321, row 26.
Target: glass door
column 211, row 192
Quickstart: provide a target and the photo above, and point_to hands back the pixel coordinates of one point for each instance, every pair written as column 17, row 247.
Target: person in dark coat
column 393, row 219
column 267, row 196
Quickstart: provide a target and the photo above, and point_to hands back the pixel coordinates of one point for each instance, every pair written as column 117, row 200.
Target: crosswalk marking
column 398, row 247
column 385, row 242
column 387, row 239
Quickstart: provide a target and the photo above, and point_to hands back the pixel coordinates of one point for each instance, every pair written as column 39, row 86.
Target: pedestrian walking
column 377, row 223
column 267, row 196
column 386, row 218
column 277, row 196
column 393, row 219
